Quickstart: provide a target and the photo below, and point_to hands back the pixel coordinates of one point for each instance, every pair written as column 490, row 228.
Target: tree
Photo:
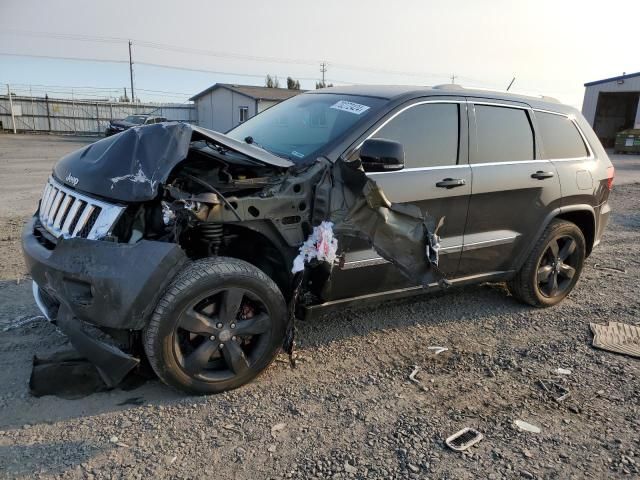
column 293, row 84
column 272, row 82
column 323, row 85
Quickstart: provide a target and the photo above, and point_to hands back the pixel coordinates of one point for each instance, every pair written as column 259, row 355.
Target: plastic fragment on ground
column 562, row 371
column 463, row 439
column 321, row 245
column 527, row 427
column 617, row 337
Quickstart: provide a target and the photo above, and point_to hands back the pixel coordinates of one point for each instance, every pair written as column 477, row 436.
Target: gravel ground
column 349, row 409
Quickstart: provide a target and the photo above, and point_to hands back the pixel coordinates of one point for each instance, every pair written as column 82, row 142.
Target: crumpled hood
column 130, row 166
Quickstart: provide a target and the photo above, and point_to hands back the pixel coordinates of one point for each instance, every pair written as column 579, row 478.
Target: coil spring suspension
column 212, row 233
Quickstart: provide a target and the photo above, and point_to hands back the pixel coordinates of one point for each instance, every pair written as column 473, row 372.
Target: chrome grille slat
column 61, row 211
column 47, row 204
column 54, row 207
column 86, row 213
column 73, row 211
column 67, row 213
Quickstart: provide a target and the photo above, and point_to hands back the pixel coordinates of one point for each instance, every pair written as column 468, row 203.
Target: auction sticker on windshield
column 350, row 107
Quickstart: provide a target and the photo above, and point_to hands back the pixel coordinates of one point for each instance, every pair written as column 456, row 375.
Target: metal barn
column 611, row 105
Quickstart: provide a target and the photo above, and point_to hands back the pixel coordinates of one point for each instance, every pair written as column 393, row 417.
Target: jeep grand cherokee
column 182, row 240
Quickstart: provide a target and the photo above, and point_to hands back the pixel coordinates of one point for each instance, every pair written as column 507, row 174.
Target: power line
column 235, row 56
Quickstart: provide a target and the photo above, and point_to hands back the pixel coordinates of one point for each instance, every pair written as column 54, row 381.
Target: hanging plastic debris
column 321, row 246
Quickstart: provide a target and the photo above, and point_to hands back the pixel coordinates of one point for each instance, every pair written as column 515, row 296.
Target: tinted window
column 428, row 133
column 560, row 137
column 502, row 135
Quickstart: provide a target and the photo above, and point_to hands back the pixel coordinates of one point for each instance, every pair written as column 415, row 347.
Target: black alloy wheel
column 221, row 335
column 557, row 266
column 219, row 324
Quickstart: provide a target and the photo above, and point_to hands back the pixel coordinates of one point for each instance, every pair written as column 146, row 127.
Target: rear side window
column 428, row 133
column 502, row 135
column 560, row 137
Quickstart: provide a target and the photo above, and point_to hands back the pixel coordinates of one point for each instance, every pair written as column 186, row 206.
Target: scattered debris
column 463, row 439
column 412, row 375
column 597, row 266
column 278, row 427
column 22, row 321
column 562, row 371
column 350, row 468
column 555, row 390
column 437, row 350
column 527, row 427
column 271, row 448
column 617, row 337
column 231, row 428
column 114, row 439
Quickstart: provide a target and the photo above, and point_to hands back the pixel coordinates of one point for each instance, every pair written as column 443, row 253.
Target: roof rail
column 455, row 86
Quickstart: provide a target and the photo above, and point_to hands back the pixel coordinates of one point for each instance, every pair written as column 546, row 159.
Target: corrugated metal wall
column 38, row 114
column 591, row 94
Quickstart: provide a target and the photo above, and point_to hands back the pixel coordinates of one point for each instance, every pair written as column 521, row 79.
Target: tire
column 219, row 324
column 534, row 283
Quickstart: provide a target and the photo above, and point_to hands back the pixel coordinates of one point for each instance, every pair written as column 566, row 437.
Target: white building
column 223, row 106
column 611, row 105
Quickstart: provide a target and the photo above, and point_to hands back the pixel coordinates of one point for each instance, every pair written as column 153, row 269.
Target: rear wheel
column 218, row 326
column 552, row 268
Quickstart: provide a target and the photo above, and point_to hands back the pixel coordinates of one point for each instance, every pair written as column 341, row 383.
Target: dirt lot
column 349, row 409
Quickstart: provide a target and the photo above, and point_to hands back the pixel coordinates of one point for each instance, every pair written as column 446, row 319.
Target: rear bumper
column 111, row 286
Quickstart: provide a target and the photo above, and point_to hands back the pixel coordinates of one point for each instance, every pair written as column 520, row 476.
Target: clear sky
column 551, row 47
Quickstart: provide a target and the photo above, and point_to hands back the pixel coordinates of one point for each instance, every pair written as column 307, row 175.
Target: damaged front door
column 436, row 178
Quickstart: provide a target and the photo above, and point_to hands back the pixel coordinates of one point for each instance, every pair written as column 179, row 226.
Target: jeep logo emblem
column 72, row 180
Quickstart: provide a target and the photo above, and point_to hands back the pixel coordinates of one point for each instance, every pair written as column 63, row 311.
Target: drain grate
column 463, row 439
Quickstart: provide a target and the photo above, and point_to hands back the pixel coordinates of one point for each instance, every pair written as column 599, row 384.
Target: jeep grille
column 66, row 213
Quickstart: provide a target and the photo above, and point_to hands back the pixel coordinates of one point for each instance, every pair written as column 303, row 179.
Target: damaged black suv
column 196, row 250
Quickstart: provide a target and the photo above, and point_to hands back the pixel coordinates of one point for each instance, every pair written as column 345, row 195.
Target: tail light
column 611, row 173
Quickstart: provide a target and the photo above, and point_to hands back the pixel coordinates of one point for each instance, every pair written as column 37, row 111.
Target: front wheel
column 553, row 266
column 220, row 324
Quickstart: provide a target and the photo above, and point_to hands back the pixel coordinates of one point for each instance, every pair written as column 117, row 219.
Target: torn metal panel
column 399, row 233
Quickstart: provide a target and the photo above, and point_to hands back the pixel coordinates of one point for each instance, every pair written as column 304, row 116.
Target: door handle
column 451, row 183
column 540, row 175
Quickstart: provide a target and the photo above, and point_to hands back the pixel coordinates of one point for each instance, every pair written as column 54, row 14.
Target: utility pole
column 131, row 71
column 453, row 78
column 13, row 118
column 323, row 70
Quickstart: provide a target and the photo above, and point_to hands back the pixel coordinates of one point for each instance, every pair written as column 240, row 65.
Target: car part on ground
column 463, row 439
column 617, row 337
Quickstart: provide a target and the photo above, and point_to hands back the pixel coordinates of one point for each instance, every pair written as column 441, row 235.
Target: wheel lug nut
column 233, row 325
column 221, row 346
column 219, row 325
column 212, row 338
column 234, row 338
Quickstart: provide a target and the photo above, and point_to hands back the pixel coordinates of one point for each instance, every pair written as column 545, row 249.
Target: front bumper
column 104, row 284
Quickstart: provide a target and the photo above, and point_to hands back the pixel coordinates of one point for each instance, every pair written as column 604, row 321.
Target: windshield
column 298, row 127
column 137, row 119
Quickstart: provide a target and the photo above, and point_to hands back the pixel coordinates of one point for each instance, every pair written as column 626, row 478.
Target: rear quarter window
column 560, row 137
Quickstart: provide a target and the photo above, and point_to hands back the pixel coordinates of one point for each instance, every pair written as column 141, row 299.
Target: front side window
column 503, row 134
column 560, row 137
column 428, row 132
column 302, row 125
column 244, row 114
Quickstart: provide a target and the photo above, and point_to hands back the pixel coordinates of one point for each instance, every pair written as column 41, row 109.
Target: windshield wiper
column 249, row 140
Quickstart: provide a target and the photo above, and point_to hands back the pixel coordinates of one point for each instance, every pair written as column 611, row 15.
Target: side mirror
column 380, row 155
